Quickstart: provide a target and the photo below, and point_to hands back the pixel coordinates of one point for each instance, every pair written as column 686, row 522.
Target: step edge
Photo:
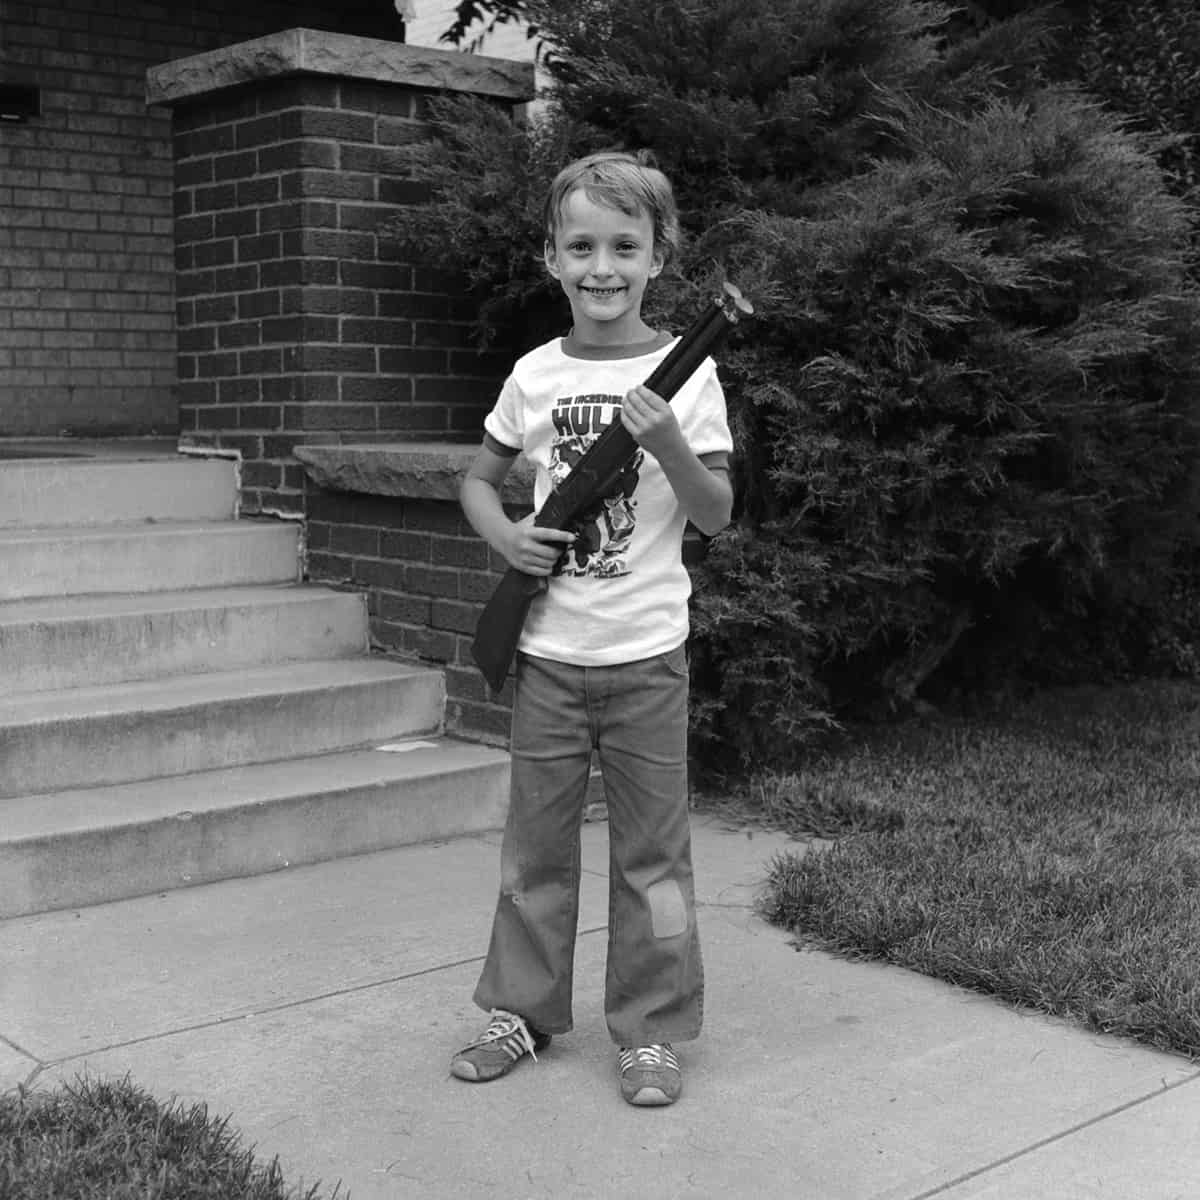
column 433, row 768
column 296, row 678
column 232, row 527
column 242, row 596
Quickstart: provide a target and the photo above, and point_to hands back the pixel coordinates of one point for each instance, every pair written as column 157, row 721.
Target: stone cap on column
column 412, row 470
column 316, row 52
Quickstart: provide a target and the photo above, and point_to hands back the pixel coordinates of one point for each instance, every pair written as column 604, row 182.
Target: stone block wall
column 298, row 322
column 87, row 304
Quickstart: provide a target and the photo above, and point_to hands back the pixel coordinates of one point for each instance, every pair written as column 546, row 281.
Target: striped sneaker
column 650, row 1075
column 503, row 1044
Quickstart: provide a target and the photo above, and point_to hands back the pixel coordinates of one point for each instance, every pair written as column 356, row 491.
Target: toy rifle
column 593, row 478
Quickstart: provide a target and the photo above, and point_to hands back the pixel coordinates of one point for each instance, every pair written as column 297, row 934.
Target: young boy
column 601, row 662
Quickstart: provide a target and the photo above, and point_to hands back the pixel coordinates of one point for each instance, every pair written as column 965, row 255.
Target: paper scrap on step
column 401, row 747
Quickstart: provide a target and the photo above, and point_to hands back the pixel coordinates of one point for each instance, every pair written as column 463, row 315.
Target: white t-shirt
column 622, row 592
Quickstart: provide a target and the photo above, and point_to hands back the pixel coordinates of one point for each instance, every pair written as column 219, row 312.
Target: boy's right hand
column 534, row 550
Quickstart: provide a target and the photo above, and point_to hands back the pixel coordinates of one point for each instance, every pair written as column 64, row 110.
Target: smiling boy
column 602, row 662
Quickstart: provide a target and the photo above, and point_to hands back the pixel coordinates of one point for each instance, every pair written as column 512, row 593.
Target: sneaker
column 650, row 1075
column 503, row 1044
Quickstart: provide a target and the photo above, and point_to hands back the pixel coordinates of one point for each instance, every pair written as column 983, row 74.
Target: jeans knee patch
column 668, row 909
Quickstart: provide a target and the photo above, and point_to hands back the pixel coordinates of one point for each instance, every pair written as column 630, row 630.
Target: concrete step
column 87, row 847
column 147, row 557
column 85, row 737
column 85, row 641
column 91, row 491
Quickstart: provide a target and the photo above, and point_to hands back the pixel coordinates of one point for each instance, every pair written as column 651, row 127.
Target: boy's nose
column 602, row 264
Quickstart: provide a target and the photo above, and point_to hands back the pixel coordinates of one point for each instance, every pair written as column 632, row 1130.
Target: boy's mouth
column 602, row 293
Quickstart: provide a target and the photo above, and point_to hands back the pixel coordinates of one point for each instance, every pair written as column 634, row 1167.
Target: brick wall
column 87, row 336
column 427, row 577
column 297, row 321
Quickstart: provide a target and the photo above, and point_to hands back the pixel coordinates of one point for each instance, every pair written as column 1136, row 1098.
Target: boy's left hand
column 651, row 421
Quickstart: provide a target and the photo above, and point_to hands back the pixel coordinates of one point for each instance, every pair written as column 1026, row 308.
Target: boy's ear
column 551, row 259
column 658, row 260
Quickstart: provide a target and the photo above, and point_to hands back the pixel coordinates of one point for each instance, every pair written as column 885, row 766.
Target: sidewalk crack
column 945, row 1188
column 213, row 1023
column 19, row 1049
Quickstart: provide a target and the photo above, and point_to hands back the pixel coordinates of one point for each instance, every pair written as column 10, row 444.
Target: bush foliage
column 1142, row 57
column 967, row 417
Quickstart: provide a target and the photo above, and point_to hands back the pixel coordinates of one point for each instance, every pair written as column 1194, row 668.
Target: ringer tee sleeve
column 506, row 421
column 707, row 424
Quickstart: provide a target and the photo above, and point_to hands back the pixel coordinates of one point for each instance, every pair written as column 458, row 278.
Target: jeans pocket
column 676, row 661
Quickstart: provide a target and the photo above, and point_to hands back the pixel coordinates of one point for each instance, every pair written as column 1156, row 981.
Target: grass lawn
column 111, row 1141
column 1048, row 854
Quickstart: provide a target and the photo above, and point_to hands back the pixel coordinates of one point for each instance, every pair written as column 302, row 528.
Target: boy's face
column 604, row 258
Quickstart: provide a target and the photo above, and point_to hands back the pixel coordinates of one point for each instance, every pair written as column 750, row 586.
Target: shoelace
column 657, row 1055
column 505, row 1024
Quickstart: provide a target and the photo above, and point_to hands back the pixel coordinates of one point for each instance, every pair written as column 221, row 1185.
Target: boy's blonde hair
column 629, row 183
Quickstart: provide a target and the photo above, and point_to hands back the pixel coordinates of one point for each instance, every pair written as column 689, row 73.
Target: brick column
column 296, row 322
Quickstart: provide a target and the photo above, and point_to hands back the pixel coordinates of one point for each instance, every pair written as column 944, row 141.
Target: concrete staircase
column 177, row 708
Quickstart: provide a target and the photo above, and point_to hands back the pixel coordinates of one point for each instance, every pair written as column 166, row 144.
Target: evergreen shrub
column 1143, row 56
column 967, row 417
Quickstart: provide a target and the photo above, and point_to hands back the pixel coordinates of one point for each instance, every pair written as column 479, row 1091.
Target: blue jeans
column 635, row 716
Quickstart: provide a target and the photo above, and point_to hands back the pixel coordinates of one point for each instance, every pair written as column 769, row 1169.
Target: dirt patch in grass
column 1048, row 854
column 96, row 1140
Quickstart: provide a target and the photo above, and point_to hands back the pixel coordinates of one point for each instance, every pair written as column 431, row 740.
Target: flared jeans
column 635, row 716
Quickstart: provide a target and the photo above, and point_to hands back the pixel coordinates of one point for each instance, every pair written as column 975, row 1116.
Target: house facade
column 87, row 250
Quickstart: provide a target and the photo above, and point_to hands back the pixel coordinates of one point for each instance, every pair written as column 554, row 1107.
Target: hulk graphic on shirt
column 604, row 530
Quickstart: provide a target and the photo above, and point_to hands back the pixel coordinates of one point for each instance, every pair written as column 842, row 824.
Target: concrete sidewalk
column 319, row 1007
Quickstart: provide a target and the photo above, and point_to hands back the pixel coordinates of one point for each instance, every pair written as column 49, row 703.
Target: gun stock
column 504, row 616
column 592, row 478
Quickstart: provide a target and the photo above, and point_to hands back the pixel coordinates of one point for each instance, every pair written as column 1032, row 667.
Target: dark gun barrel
column 593, row 478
